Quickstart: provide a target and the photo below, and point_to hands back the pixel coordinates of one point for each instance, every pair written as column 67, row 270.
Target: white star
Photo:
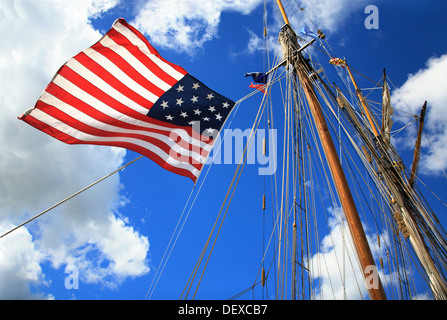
column 169, row 117
column 226, row 105
column 180, row 88
column 179, row 102
column 209, row 96
column 183, row 114
column 206, row 119
column 195, row 86
column 192, row 122
column 197, row 112
column 212, row 109
column 164, row 104
column 218, row 117
column 210, row 130
column 194, row 99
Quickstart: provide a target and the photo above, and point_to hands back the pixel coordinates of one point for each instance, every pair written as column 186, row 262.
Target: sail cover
column 121, row 92
column 387, row 121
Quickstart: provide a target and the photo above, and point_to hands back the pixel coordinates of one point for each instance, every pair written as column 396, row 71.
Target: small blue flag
column 258, row 77
column 304, row 30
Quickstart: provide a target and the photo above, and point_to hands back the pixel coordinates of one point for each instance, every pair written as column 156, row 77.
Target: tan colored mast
column 283, row 12
column 363, row 102
column 341, row 184
column 289, row 43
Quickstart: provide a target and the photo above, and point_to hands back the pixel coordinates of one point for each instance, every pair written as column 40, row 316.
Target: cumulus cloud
column 186, row 25
column 428, row 84
column 329, row 15
column 20, row 266
column 37, row 171
column 335, row 267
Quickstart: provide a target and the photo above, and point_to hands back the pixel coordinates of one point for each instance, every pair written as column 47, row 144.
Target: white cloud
column 257, row 43
column 37, row 171
column 19, row 266
column 428, row 84
column 329, row 15
column 335, row 267
column 186, row 25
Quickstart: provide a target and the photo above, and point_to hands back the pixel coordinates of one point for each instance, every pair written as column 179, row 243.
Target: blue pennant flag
column 258, row 77
column 304, row 30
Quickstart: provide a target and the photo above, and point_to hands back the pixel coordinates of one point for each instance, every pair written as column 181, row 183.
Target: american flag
column 121, row 92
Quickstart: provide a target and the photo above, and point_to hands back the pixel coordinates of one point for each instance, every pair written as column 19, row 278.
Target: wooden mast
column 417, row 148
column 283, row 12
column 289, row 41
column 363, row 102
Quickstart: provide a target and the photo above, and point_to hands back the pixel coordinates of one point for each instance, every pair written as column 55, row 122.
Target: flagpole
column 68, row 198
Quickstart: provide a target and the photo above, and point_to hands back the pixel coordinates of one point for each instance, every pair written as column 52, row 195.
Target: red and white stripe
column 102, row 95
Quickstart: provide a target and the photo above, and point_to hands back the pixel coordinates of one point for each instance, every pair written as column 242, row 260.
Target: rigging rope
column 157, row 277
column 69, row 197
column 232, row 187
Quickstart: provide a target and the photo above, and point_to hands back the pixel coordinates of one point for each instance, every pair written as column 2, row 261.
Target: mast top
column 283, row 12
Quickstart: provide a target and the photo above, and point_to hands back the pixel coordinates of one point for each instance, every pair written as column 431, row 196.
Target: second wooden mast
column 288, row 41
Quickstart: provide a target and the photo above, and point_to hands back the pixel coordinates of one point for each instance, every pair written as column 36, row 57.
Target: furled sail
column 387, row 122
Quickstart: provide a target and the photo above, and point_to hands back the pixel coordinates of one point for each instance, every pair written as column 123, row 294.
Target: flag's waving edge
column 121, row 92
column 258, row 77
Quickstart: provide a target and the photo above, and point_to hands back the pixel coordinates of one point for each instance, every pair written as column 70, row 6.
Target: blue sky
column 116, row 233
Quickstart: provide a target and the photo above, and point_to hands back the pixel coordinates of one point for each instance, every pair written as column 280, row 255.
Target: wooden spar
column 410, row 222
column 417, row 147
column 283, row 12
column 341, row 184
column 358, row 234
column 363, row 102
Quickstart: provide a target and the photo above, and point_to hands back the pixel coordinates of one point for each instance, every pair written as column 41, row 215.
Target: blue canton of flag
column 190, row 103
